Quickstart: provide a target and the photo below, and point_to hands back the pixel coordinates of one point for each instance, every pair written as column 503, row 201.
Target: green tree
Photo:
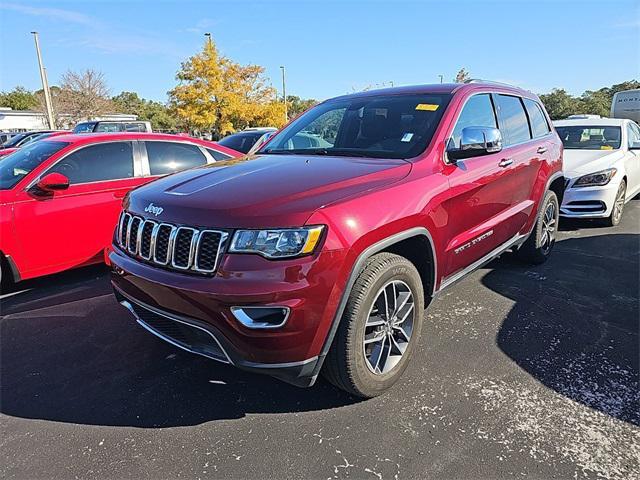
column 560, row 104
column 297, row 105
column 462, row 76
column 18, row 99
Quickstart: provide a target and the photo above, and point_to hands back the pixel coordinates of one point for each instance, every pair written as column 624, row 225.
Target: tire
column 6, row 278
column 618, row 206
column 351, row 364
column 537, row 248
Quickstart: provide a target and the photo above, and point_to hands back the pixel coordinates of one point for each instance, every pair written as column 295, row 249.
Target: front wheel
column 618, row 206
column 379, row 329
column 6, row 279
column 537, row 248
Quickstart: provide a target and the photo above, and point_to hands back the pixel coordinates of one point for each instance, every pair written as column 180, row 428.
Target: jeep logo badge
column 151, row 208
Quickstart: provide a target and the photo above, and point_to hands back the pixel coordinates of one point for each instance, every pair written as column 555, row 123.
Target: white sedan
column 601, row 166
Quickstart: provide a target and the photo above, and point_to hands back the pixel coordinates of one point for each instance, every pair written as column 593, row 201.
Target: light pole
column 441, row 77
column 284, row 95
column 45, row 84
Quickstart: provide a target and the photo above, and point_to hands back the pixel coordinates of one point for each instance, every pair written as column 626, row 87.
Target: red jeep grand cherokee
column 321, row 252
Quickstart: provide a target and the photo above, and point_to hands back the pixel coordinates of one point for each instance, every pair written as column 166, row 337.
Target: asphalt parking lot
column 522, row 371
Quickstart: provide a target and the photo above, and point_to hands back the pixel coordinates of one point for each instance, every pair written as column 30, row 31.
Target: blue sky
column 329, row 47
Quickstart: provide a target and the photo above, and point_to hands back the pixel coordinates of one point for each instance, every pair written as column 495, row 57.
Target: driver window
column 477, row 112
column 95, row 163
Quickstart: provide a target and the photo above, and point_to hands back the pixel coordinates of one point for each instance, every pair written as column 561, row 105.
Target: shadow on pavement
column 80, row 358
column 574, row 326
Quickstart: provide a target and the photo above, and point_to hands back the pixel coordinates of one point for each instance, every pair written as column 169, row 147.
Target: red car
column 320, row 252
column 73, row 185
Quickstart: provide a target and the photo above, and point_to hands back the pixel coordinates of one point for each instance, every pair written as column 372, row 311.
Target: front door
column 71, row 227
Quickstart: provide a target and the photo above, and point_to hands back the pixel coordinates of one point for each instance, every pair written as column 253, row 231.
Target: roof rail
column 480, row 80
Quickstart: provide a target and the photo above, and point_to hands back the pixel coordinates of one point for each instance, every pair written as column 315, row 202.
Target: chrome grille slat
column 177, row 247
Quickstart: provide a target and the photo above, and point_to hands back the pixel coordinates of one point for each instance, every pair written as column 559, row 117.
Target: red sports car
column 60, row 197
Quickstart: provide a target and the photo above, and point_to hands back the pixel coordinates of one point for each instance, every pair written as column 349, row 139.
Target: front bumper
column 589, row 202
column 195, row 312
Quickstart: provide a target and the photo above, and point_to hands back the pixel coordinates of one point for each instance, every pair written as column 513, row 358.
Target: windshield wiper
column 328, row 152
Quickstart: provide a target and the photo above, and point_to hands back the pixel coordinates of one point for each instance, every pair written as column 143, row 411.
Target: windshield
column 86, row 127
column 16, row 166
column 15, row 140
column 382, row 126
column 589, row 137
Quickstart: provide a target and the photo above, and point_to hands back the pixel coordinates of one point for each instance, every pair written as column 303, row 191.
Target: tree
column 157, row 113
column 560, row 104
column 217, row 94
column 82, row 96
column 297, row 105
column 462, row 76
column 18, row 99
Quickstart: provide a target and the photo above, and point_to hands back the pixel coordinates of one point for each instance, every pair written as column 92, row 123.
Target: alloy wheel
column 618, row 205
column 387, row 332
column 548, row 234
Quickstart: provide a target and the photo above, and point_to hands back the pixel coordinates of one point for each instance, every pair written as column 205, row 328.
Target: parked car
column 109, row 126
column 28, row 140
column 60, row 197
column 20, row 139
column 6, row 136
column 602, row 166
column 244, row 140
column 301, row 260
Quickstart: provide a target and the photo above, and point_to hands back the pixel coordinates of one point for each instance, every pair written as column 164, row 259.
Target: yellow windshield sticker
column 430, row 107
column 606, row 147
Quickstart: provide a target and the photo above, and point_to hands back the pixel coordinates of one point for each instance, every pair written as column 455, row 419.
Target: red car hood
column 262, row 191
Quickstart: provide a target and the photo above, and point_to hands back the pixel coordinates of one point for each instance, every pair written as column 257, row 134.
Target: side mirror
column 635, row 145
column 53, row 181
column 476, row 141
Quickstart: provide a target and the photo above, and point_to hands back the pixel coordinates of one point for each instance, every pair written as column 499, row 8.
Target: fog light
column 261, row 317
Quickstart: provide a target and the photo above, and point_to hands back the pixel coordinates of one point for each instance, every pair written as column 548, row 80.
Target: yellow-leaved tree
column 218, row 95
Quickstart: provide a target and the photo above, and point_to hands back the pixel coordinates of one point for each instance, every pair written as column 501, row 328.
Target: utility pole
column 208, row 35
column 45, row 84
column 284, row 95
column 441, row 77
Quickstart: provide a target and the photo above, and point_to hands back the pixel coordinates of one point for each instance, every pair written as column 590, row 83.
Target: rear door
column 72, row 227
column 480, row 194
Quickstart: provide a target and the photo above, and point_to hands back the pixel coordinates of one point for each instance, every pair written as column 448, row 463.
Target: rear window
column 218, row 155
column 86, row 127
column 539, row 125
column 241, row 142
column 171, row 157
column 515, row 127
column 16, row 166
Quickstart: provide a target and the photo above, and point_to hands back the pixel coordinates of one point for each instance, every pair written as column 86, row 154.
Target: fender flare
column 357, row 267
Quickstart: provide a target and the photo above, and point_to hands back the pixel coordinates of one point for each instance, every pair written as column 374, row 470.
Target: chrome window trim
column 169, row 245
column 194, row 239
column 221, row 244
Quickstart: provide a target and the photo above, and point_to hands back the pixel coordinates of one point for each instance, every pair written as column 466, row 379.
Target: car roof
column 600, row 122
column 446, row 88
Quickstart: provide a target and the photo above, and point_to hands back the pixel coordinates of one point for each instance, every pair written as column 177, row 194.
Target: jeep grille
column 176, row 247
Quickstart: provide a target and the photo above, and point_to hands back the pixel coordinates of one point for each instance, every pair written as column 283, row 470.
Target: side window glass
column 217, row 156
column 101, row 162
column 633, row 134
column 170, row 157
column 514, row 121
column 477, row 112
column 107, row 127
column 134, row 127
column 539, row 126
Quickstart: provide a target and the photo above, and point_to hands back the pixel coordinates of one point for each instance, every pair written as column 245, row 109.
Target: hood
column 262, row 191
column 581, row 162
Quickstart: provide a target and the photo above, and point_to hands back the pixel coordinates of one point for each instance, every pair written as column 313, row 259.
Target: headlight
column 596, row 179
column 277, row 243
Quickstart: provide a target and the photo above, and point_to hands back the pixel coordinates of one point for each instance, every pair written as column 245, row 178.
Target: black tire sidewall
column 611, row 221
column 364, row 380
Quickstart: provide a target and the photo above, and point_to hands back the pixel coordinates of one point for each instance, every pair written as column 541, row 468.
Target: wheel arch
column 7, row 261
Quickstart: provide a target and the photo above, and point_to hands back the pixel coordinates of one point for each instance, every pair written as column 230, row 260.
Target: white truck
column 626, row 105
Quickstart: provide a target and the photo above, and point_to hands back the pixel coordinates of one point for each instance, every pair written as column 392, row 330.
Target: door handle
column 541, row 149
column 505, row 162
